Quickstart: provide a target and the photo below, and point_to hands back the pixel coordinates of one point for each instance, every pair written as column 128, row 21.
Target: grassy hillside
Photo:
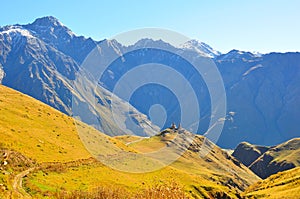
column 278, row 158
column 216, row 175
column 36, row 130
column 215, row 163
column 283, row 185
column 44, row 156
column 288, row 151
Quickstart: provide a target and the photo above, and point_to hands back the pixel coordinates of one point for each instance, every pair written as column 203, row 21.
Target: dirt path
column 128, row 143
column 17, row 183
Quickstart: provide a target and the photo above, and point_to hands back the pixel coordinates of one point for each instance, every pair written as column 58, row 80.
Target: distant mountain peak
column 201, row 47
column 239, row 54
column 49, row 26
column 148, row 42
column 47, row 21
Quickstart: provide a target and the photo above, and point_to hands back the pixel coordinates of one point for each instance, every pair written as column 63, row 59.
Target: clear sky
column 251, row 25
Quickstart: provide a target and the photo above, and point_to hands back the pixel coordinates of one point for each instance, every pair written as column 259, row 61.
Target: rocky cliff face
column 261, row 91
column 266, row 166
column 54, row 33
column 247, row 153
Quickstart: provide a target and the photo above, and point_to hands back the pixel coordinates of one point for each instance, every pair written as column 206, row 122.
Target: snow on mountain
column 54, row 33
column 15, row 31
column 42, row 59
column 252, row 69
column 238, row 54
column 201, row 48
column 50, row 30
column 257, row 54
column 46, row 24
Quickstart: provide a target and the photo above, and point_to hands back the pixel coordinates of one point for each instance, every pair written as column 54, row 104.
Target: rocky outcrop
column 247, row 153
column 266, row 166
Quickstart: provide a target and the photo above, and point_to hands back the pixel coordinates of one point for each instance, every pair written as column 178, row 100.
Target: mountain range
column 43, row 149
column 41, row 59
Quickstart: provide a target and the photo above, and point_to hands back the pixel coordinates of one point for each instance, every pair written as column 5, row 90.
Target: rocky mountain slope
column 41, row 59
column 265, row 161
column 248, row 153
column 261, row 91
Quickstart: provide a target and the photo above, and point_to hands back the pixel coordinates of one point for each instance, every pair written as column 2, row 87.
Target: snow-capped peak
column 47, row 21
column 257, row 54
column 201, row 48
column 238, row 54
column 49, row 25
column 15, row 31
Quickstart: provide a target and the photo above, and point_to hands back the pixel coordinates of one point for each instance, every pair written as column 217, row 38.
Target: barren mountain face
column 41, row 59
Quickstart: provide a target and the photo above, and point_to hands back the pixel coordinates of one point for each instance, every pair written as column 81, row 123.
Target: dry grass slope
column 51, row 143
column 278, row 158
column 37, row 130
column 283, row 185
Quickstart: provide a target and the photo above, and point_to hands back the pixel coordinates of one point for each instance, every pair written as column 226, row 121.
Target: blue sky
column 251, row 25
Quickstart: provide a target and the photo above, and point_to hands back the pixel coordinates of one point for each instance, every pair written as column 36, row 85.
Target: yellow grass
column 88, row 177
column 283, row 185
column 47, row 135
column 37, row 130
